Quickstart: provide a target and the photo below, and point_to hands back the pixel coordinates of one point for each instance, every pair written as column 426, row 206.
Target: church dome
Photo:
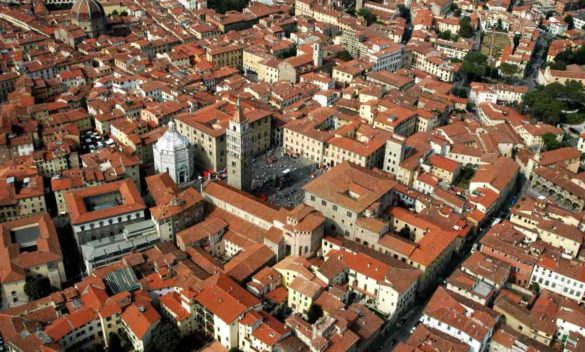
column 171, row 140
column 87, row 10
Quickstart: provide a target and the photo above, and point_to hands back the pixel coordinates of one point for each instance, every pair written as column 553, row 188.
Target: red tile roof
column 140, row 318
column 131, row 201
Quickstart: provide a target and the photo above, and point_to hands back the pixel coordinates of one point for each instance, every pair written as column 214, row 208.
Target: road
column 400, row 333
column 534, row 66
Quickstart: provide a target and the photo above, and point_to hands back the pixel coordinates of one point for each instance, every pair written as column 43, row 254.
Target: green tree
column 465, row 28
column 115, row 344
column 445, row 35
column 509, row 69
column 474, row 65
column 344, row 55
column 404, row 232
column 558, row 65
column 569, row 57
column 37, row 287
column 292, row 51
column 543, row 106
column 124, row 13
column 457, row 13
column 551, row 143
column 547, row 103
column 460, row 92
column 115, row 13
column 315, row 312
column 570, row 21
column 223, row 6
column 165, row 337
column 517, row 38
column 535, row 287
column 368, row 15
column 404, row 12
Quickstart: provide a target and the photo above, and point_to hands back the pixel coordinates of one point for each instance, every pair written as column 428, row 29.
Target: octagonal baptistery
column 174, row 154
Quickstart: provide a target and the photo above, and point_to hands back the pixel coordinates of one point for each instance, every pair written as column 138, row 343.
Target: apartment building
column 179, row 308
column 29, row 249
column 219, row 306
column 429, row 247
column 102, row 211
column 532, row 134
column 581, row 143
column 292, row 267
column 562, row 276
column 79, row 330
column 445, row 169
column 390, row 285
column 260, row 331
column 537, row 322
column 466, row 321
column 22, row 193
column 139, row 322
column 426, row 58
column 500, row 177
column 347, row 193
column 309, row 136
column 175, row 210
column 390, row 80
column 479, row 278
column 302, row 293
column 227, row 55
column 113, row 162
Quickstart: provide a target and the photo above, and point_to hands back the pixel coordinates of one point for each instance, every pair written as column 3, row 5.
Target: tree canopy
column 37, row 287
column 509, row 69
column 165, row 337
column 404, row 232
column 115, row 344
column 445, row 35
column 344, row 55
column 460, row 92
column 516, row 40
column 315, row 312
column 368, row 15
column 547, row 103
column 404, row 12
column 570, row 21
column 223, row 6
column 292, row 51
column 551, row 143
column 465, row 27
column 474, row 65
column 569, row 57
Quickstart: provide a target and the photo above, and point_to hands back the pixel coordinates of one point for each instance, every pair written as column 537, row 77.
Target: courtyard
column 493, row 43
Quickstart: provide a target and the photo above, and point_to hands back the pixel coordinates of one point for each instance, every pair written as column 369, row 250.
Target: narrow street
column 400, row 333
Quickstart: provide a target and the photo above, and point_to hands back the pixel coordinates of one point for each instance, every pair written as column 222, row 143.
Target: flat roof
column 483, row 288
column 25, row 234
